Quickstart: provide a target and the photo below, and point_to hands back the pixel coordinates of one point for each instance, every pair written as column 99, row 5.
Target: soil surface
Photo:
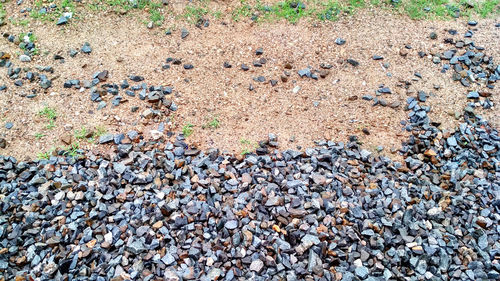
column 327, row 108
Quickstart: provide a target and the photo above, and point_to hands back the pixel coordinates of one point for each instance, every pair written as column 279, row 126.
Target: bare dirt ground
column 322, row 109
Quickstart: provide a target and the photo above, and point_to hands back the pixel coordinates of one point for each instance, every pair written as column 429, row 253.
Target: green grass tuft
column 48, row 112
column 214, row 124
column 188, row 130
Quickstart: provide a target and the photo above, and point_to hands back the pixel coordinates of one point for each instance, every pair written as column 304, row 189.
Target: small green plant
column 488, row 7
column 48, row 112
column 47, row 154
column 3, row 13
column 51, row 125
column 81, row 134
column 193, row 14
column 39, row 136
column 99, row 131
column 243, row 11
column 217, row 14
column 245, row 141
column 51, row 114
column 72, row 150
column 156, row 17
column 245, row 151
column 21, row 22
column 247, row 146
column 188, row 130
column 214, row 124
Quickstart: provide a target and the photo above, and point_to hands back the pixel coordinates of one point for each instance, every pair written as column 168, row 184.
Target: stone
column 257, row 265
column 106, row 138
column 184, row 33
column 24, row 58
column 232, row 224
column 62, row 20
column 86, row 49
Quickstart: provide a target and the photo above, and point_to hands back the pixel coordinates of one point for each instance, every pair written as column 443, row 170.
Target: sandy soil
column 329, row 108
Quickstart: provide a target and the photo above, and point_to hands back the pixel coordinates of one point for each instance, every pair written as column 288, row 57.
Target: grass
column 31, row 39
column 156, row 17
column 84, row 132
column 487, row 8
column 3, row 13
column 244, row 11
column 51, row 125
column 63, row 6
column 99, row 131
column 47, row 154
column 332, row 10
column 154, row 8
column 194, row 14
column 188, row 130
column 247, row 146
column 39, row 136
column 72, row 150
column 81, row 134
column 51, row 115
column 21, row 22
column 31, row 36
column 48, row 112
column 214, row 124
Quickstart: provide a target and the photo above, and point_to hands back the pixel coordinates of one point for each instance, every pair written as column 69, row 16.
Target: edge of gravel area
column 195, row 109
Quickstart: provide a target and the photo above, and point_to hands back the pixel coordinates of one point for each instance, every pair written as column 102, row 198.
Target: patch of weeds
column 96, row 6
column 51, row 114
column 354, row 5
column 289, row 10
column 194, row 14
column 421, row 9
column 45, row 13
column 3, row 13
column 39, row 136
column 214, row 124
column 99, row 131
column 28, row 38
column 217, row 14
column 488, row 7
column 156, row 17
column 247, row 146
column 47, row 154
column 331, row 11
column 51, row 125
column 244, row 11
column 31, row 36
column 72, row 150
column 188, row 130
column 21, row 22
column 48, row 112
column 446, row 9
column 81, row 134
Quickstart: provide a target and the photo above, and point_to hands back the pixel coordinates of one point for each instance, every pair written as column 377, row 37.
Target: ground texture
column 197, row 168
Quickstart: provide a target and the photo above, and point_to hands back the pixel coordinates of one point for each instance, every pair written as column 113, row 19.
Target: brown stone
column 157, row 225
column 67, row 139
column 3, row 143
